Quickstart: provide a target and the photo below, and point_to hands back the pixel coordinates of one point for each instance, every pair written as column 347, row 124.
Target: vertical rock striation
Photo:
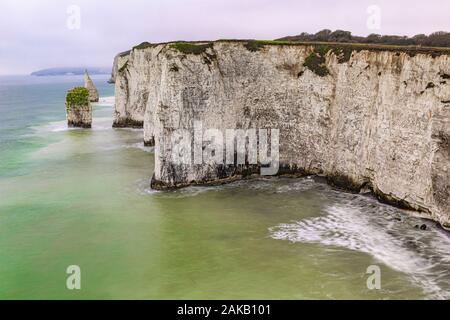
column 131, row 87
column 362, row 116
column 78, row 108
column 115, row 68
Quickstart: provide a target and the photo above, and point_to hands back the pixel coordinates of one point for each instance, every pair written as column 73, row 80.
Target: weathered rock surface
column 78, row 108
column 89, row 85
column 131, row 87
column 115, row 68
column 375, row 119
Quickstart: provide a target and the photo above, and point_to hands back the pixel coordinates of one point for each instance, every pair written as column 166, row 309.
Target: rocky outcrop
column 373, row 118
column 89, row 85
column 78, row 108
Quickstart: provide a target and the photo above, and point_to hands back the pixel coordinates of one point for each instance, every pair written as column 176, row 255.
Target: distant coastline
column 71, row 71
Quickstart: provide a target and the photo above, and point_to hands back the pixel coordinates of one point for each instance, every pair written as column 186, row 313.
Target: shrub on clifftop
column 78, row 96
column 316, row 61
column 190, row 48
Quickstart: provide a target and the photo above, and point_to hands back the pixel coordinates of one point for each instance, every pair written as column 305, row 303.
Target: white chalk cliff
column 362, row 117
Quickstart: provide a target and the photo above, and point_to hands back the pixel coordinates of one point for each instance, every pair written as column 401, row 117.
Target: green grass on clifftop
column 256, row 45
column 78, row 96
column 343, row 48
column 143, row 45
column 316, row 60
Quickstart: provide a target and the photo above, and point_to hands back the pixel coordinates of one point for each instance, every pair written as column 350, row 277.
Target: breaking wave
column 382, row 232
column 98, row 124
column 137, row 145
column 357, row 222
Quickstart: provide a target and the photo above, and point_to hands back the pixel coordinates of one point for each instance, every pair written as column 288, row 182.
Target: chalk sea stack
column 89, row 85
column 78, row 108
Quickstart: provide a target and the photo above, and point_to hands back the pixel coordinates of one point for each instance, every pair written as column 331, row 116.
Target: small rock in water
column 89, row 85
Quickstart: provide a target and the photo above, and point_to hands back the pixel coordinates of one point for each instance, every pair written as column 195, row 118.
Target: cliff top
column 435, row 39
column 197, row 47
column 78, row 96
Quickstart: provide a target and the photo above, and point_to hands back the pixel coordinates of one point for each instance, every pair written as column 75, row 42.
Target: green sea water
column 82, row 197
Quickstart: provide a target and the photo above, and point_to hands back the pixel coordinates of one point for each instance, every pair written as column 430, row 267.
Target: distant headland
column 71, row 71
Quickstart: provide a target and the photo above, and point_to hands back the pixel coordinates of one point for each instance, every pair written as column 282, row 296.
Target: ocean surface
column 82, row 197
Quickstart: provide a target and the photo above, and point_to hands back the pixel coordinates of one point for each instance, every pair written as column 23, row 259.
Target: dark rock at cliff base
column 128, row 123
column 149, row 143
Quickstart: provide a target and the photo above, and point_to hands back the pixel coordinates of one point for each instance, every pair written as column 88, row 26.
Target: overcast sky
column 34, row 34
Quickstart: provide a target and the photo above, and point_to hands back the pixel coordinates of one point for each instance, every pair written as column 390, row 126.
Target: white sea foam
column 98, row 124
column 55, row 126
column 141, row 146
column 130, row 129
column 105, row 101
column 137, row 145
column 372, row 229
column 143, row 187
column 355, row 222
column 262, row 184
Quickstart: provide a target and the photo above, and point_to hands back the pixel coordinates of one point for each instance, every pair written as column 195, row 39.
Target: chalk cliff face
column 132, row 79
column 373, row 119
column 80, row 116
column 115, row 68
